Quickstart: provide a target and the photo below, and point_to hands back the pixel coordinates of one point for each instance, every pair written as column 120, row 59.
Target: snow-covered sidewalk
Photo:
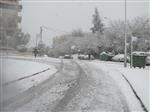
column 20, row 75
column 139, row 79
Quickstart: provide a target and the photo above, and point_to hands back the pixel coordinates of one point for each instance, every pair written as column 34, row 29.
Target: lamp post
column 36, row 40
column 41, row 30
column 125, row 36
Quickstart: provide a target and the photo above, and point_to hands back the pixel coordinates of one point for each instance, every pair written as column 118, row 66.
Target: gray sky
column 67, row 16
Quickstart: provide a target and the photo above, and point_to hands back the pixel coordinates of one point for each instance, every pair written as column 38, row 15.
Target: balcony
column 9, row 2
column 11, row 5
column 8, row 6
column 19, row 8
column 19, row 19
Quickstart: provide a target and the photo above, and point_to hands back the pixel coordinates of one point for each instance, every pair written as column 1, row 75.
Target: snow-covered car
column 45, row 56
column 148, row 58
column 120, row 58
column 81, row 56
column 85, row 57
column 67, row 56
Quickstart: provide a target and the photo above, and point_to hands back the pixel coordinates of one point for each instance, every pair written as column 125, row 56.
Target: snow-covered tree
column 98, row 26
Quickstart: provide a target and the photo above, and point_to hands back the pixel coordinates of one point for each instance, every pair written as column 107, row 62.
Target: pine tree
column 97, row 23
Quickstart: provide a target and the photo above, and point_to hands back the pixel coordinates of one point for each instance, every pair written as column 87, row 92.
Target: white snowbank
column 16, row 69
column 139, row 78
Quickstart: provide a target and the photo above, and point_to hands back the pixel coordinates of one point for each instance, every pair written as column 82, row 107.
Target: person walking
column 35, row 52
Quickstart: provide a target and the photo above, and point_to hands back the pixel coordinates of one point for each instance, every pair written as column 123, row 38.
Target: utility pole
column 41, row 30
column 131, row 58
column 125, row 36
column 36, row 40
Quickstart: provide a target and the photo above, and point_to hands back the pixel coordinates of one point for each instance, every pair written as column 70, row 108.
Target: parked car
column 148, row 58
column 81, row 56
column 85, row 57
column 120, row 58
column 45, row 56
column 67, row 56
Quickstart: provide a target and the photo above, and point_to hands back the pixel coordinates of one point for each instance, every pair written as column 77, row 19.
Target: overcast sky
column 64, row 17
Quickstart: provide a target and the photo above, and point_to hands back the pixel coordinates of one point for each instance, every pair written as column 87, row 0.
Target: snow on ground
column 139, row 78
column 98, row 93
column 15, row 69
column 56, row 90
column 41, row 59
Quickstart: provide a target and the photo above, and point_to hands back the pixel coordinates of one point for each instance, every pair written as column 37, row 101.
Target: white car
column 148, row 58
column 85, row 57
column 119, row 58
column 81, row 56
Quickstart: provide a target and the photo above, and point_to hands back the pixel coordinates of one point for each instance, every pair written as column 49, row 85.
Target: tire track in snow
column 85, row 94
column 100, row 77
column 135, row 93
column 25, row 77
column 72, row 91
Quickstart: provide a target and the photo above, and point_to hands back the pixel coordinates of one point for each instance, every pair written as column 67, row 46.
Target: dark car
column 67, row 56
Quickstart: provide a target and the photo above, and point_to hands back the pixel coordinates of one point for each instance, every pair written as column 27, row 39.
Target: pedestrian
column 89, row 54
column 35, row 52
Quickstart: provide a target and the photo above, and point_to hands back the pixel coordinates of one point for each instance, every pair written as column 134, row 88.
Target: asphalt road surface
column 75, row 87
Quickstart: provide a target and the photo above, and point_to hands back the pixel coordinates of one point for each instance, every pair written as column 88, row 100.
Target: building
column 10, row 19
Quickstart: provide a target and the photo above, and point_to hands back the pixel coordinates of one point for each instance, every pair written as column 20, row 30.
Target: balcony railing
column 12, row 6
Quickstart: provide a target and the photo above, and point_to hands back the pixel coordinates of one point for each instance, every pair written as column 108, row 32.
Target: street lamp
column 125, row 36
column 36, row 40
column 41, row 30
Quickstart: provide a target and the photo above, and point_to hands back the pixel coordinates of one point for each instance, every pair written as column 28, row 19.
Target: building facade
column 10, row 19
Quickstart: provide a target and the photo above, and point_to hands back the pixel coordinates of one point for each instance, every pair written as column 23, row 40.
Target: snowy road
column 97, row 92
column 77, row 86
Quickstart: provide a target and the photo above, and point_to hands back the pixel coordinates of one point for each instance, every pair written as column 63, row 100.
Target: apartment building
column 10, row 19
